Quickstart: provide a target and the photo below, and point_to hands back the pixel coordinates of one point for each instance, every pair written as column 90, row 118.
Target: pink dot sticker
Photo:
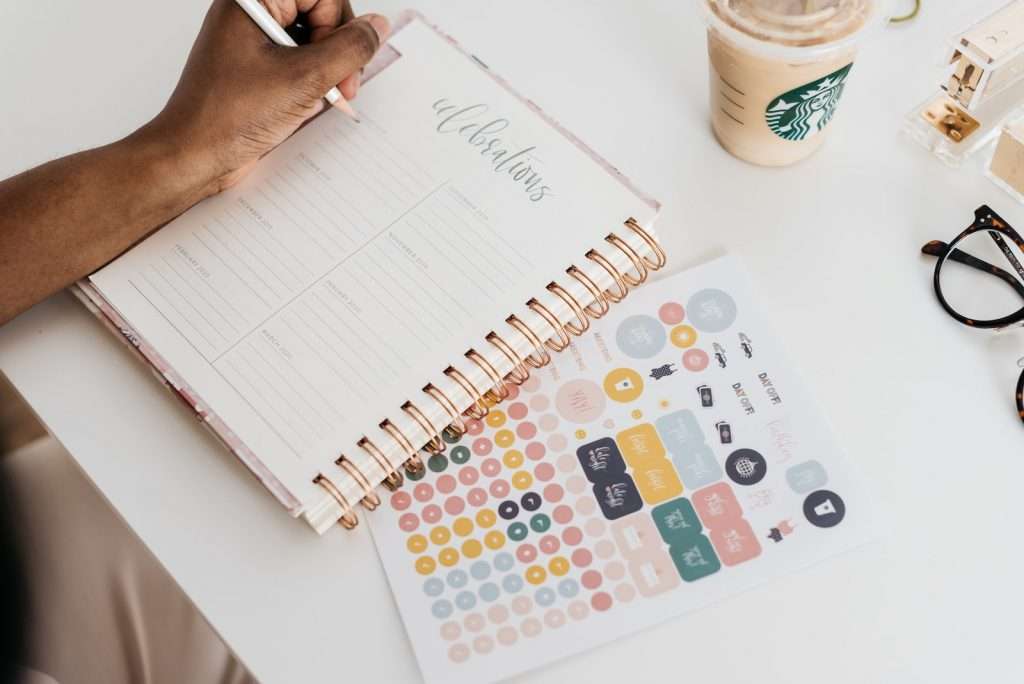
column 476, row 497
column 615, row 570
column 671, row 313
column 625, row 592
column 562, row 514
column 400, row 500
column 490, row 467
column 474, row 622
column 526, row 430
column 576, row 484
column 549, row 544
column 553, row 493
column 468, row 475
column 604, row 549
column 513, row 392
column 482, row 446
column 423, row 492
column 431, row 513
column 696, row 360
column 521, row 605
column 557, row 442
column 450, row 631
column 548, row 422
column 594, row 527
column 517, row 411
column 483, row 644
column 540, row 403
column 586, row 506
column 497, row 614
column 446, row 484
column 535, row 451
column 581, row 558
column 531, row 627
column 408, row 522
column 459, row 653
column 572, row 535
column 566, row 463
column 454, row 505
column 532, row 384
column 474, row 427
column 526, row 553
column 554, row 618
column 578, row 610
column 544, row 471
column 507, row 636
column 601, row 601
column 499, row 489
column 591, row 579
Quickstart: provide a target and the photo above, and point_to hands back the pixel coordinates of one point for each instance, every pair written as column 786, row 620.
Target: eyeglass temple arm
column 937, row 248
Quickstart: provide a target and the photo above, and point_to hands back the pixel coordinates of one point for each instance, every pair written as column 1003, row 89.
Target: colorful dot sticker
column 425, row 565
column 494, row 539
column 522, row 479
column 535, row 451
column 471, row 548
column 671, row 313
column 535, row 574
column 544, row 472
column 517, row 411
column 448, row 557
column 417, row 543
column 539, row 403
column 486, row 518
column 517, row 531
column 696, row 360
column 512, row 458
column 400, row 501
column 683, row 336
column 504, row 438
column 433, row 587
column 530, row 627
column 482, row 446
column 459, row 455
column 495, row 419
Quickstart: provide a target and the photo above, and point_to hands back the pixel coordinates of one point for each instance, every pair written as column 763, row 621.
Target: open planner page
column 672, row 459
column 358, row 261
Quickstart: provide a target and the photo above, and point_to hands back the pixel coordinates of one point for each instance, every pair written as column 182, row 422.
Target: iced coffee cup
column 778, row 69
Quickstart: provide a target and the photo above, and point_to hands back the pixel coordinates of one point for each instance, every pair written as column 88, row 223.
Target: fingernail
column 381, row 25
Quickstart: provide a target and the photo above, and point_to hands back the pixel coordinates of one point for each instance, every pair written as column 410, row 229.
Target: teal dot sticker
column 489, row 591
column 415, row 475
column 459, row 455
column 540, row 523
column 450, row 437
column 517, row 531
column 641, row 337
column 437, row 463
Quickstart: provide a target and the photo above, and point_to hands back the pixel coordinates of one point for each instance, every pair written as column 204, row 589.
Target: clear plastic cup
column 778, row 69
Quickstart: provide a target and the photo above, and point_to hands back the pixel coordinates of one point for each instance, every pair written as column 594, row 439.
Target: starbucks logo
column 802, row 112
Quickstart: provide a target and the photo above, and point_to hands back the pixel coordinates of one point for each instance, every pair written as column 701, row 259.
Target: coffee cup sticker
column 676, row 521
column 695, row 558
column 623, row 385
column 601, row 460
column 618, row 497
column 640, row 445
column 824, row 508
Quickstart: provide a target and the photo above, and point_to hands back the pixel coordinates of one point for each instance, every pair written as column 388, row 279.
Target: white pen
column 276, row 33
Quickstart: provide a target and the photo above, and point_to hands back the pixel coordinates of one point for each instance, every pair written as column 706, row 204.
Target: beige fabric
column 104, row 611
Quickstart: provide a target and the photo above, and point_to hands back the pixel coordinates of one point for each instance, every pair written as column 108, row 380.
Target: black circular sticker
column 824, row 508
column 531, row 501
column 746, row 467
column 508, row 509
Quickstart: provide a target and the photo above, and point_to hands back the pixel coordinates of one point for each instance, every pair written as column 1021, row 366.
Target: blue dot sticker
column 442, row 609
column 568, row 588
column 465, row 600
column 512, row 583
column 545, row 596
column 489, row 591
column 457, row 579
column 480, row 570
column 433, row 587
column 641, row 337
column 504, row 561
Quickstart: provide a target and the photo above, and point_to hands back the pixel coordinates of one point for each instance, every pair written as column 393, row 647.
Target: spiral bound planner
column 372, row 287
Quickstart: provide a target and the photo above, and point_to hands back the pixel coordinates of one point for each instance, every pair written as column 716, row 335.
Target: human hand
column 240, row 95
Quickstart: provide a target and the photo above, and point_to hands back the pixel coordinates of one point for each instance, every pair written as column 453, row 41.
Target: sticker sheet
column 671, row 457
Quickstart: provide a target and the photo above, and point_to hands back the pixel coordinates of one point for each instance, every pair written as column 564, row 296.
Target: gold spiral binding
column 570, row 301
column 638, row 264
column 500, row 390
column 519, row 373
column 545, row 313
column 600, row 301
column 622, row 282
column 479, row 409
column 348, row 519
column 370, row 499
column 457, row 427
column 436, row 445
column 538, row 346
column 662, row 258
column 623, row 290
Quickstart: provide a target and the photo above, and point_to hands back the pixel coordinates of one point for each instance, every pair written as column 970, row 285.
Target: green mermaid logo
column 802, row 112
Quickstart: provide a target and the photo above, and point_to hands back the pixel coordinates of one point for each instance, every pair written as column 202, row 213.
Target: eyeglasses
column 972, row 288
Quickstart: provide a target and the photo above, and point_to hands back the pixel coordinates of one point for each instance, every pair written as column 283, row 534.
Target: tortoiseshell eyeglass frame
column 1000, row 231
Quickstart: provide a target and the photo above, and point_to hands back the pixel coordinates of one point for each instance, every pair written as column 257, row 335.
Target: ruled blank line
column 242, row 262
column 188, row 281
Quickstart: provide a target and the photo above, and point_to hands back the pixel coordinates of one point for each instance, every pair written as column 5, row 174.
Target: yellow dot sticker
column 495, row 419
column 494, row 539
column 581, row 434
column 558, row 566
column 440, row 535
column 425, row 565
column 636, row 414
column 522, row 479
column 504, row 438
column 462, row 526
column 471, row 548
column 448, row 557
column 513, row 458
column 535, row 574
column 683, row 336
column 417, row 543
column 486, row 518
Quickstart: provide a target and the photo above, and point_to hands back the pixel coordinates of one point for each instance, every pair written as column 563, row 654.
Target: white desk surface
column 923, row 405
